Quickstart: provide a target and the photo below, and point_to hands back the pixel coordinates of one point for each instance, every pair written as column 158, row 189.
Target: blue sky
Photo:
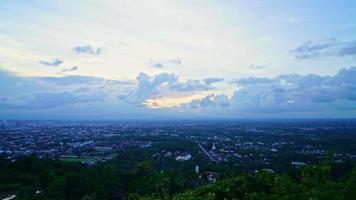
column 177, row 59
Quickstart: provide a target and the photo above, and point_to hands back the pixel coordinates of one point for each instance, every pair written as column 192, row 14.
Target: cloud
column 287, row 93
column 323, row 48
column 191, row 85
column 74, row 68
column 253, row 80
column 157, row 65
column 20, row 92
column 283, row 95
column 88, row 96
column 212, row 80
column 54, row 62
column 164, row 62
column 87, row 49
column 221, row 100
column 257, row 67
column 165, row 84
column 44, row 100
column 69, row 80
column 293, row 92
column 152, row 86
column 211, row 101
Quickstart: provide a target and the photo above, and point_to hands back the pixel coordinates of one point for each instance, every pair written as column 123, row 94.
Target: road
column 207, row 153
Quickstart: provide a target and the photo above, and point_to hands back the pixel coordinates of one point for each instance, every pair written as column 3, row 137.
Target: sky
column 182, row 59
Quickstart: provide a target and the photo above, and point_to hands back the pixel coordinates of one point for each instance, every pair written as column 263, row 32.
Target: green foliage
column 143, row 181
column 315, row 183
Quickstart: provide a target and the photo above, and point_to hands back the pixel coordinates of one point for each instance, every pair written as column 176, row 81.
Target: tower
column 213, row 148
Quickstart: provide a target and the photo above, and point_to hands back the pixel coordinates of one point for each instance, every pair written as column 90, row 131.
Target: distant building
column 168, row 154
column 298, row 164
column 197, row 169
column 184, row 157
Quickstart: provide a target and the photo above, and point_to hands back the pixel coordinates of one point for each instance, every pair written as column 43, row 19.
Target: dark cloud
column 87, row 49
column 74, row 68
column 54, row 62
column 86, row 96
column 49, row 92
column 296, row 92
column 280, row 95
column 332, row 47
column 287, row 93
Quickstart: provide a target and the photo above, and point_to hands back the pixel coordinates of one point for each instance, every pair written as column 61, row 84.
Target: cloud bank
column 288, row 93
column 92, row 97
column 323, row 48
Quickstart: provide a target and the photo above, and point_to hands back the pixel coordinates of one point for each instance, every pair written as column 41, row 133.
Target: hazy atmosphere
column 177, row 59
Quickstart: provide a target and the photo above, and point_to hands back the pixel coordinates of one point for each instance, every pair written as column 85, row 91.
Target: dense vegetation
column 32, row 178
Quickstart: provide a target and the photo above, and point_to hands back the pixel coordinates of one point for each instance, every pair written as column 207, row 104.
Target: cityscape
column 247, row 144
column 199, row 152
column 177, row 100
